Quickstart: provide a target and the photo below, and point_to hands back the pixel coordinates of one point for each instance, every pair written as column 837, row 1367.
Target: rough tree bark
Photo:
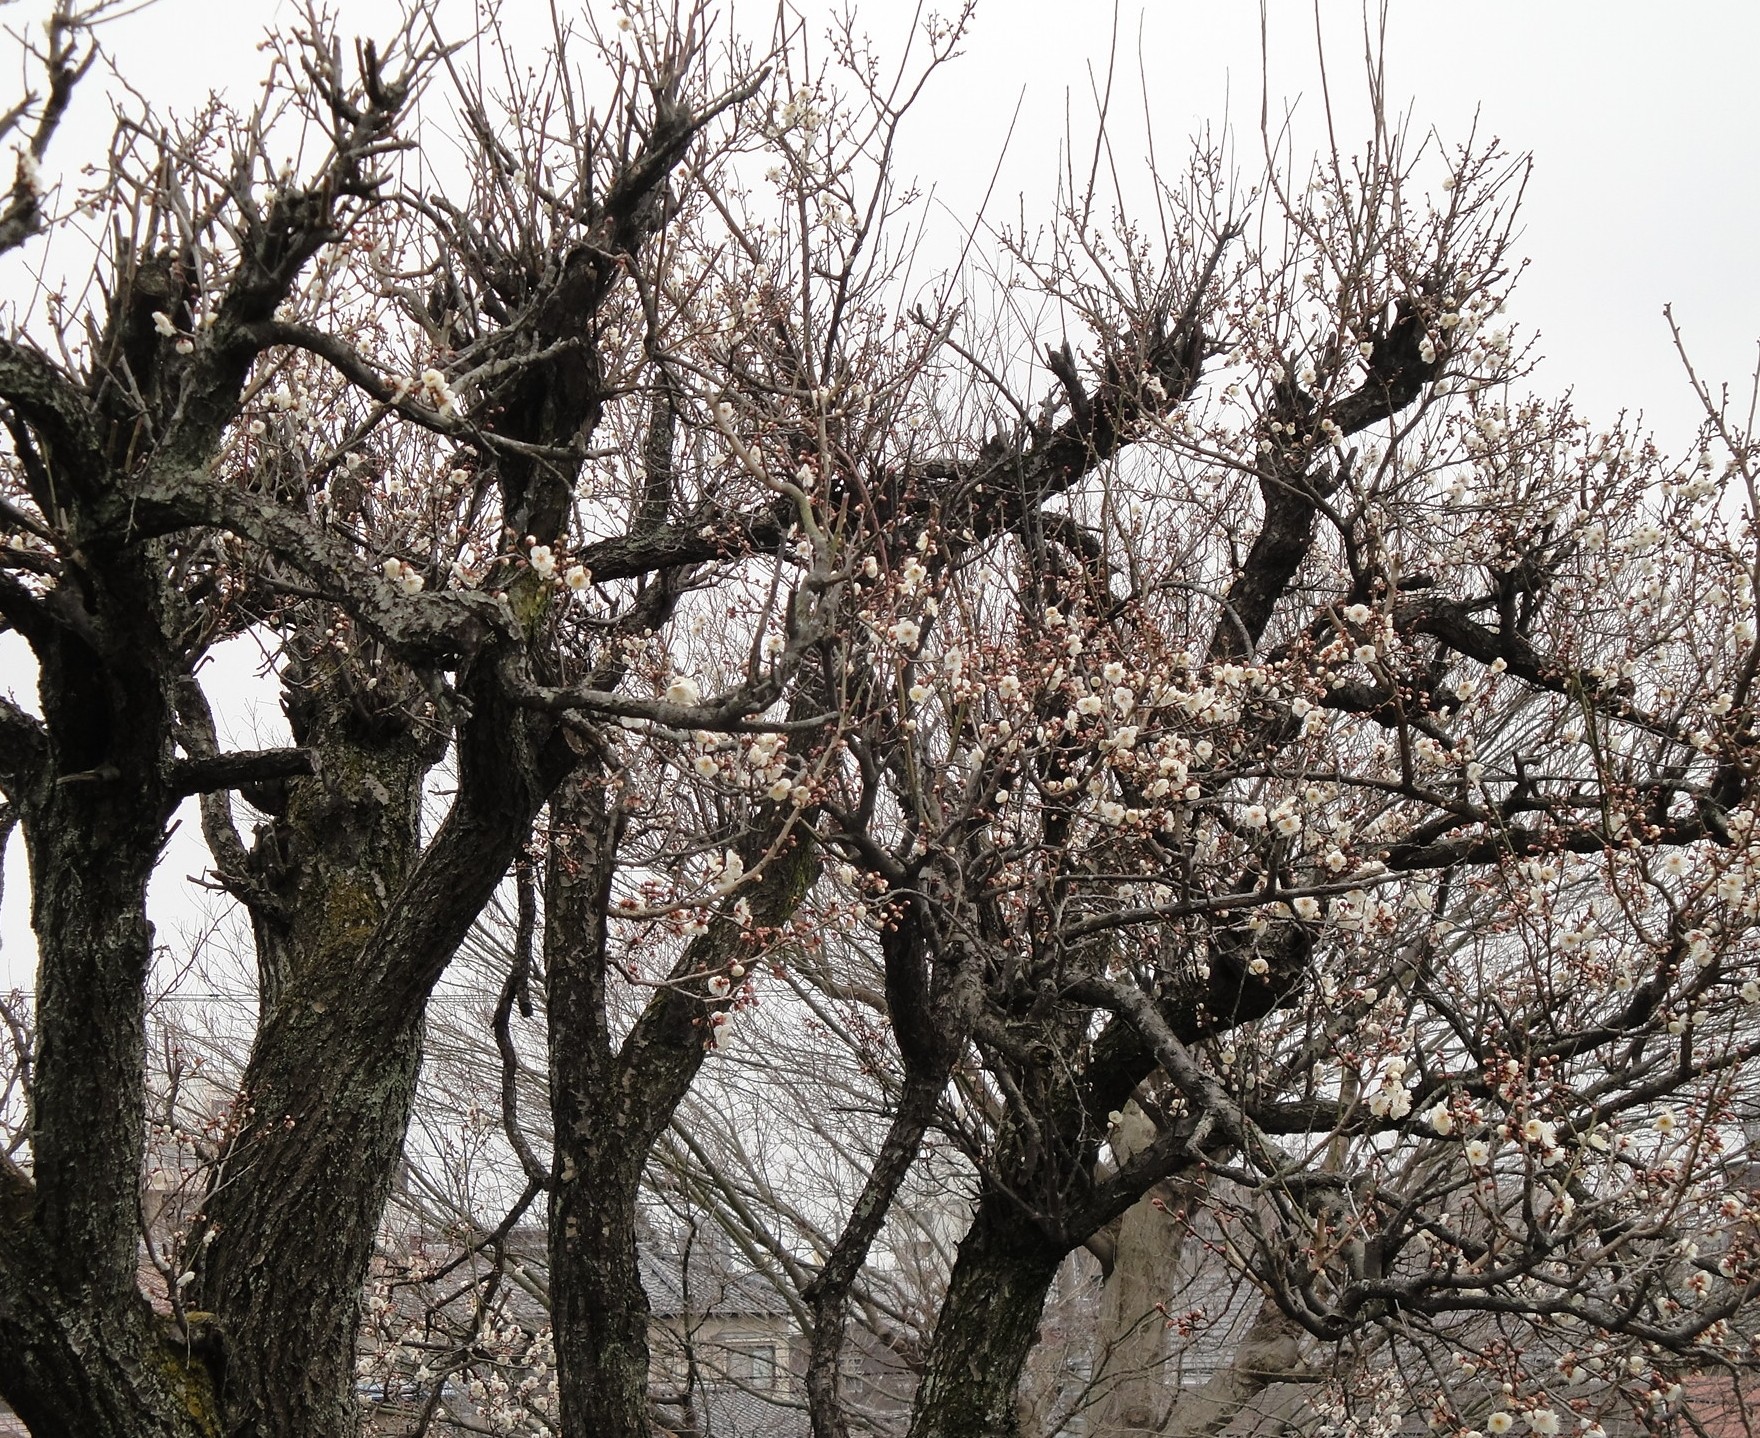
column 611, row 1102
column 355, row 919
column 987, row 1323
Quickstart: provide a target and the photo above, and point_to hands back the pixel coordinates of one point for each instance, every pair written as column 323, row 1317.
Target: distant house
column 725, row 1350
column 728, row 1358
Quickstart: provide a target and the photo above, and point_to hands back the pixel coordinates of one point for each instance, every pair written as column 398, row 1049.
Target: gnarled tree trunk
column 987, row 1325
column 610, row 1104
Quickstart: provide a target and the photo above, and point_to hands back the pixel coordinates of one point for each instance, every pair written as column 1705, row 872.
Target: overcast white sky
column 1644, row 122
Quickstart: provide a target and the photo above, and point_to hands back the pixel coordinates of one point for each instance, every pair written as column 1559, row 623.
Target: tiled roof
column 709, row 1286
column 737, row 1413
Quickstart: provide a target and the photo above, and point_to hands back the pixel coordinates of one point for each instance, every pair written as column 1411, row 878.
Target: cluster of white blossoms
column 800, row 110
column 507, row 1372
column 514, row 1384
column 405, row 576
column 905, row 633
column 1540, row 1420
column 1390, row 1098
column 727, row 871
column 437, row 392
column 163, row 326
column 759, row 762
column 546, row 564
column 1152, row 736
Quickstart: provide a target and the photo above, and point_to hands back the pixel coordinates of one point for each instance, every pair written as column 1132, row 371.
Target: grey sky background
column 1643, row 120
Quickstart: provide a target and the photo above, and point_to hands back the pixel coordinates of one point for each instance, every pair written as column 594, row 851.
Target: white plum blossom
column 733, row 869
column 683, row 690
column 905, row 633
column 439, row 393
column 405, row 576
column 543, row 562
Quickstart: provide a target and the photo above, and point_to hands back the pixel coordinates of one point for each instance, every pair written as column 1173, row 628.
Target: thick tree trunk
column 596, row 1294
column 80, row 1350
column 987, row 1326
column 94, row 947
column 289, row 1253
column 70, row 1364
column 296, row 1207
column 287, row 1283
column 94, row 826
column 610, row 1107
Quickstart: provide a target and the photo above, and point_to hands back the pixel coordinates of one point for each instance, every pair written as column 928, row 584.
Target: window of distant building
column 751, row 1363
